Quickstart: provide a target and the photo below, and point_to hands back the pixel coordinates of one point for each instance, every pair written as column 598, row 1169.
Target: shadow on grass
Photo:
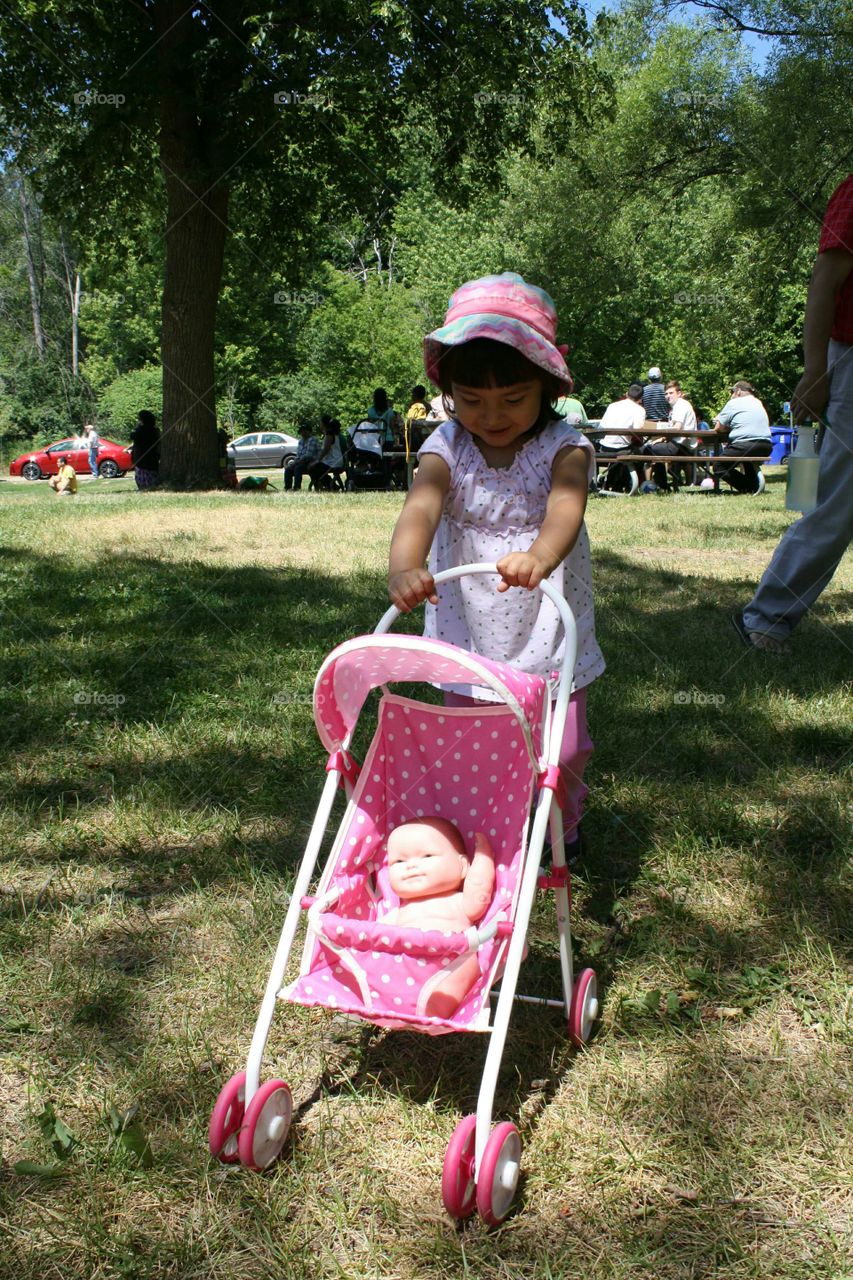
column 209, row 673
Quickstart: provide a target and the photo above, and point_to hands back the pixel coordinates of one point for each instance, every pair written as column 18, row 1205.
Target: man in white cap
column 654, row 397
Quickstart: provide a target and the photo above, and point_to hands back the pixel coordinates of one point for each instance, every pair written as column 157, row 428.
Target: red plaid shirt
column 837, row 233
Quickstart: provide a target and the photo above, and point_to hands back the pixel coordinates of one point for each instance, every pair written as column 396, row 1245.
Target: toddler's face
column 498, row 415
column 423, row 863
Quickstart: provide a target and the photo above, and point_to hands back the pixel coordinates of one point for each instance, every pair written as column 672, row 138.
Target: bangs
column 482, row 362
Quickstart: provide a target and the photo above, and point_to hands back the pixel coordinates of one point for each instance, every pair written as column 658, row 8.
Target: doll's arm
column 479, row 884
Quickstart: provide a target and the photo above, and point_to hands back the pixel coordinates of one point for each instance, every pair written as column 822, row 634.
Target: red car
column 113, row 460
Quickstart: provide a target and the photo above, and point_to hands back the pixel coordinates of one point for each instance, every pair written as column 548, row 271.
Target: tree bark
column 195, row 240
column 196, row 213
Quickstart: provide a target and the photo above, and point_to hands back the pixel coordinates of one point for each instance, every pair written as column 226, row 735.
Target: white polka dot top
column 489, row 512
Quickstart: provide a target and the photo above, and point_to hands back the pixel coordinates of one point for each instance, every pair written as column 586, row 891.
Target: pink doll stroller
column 485, row 768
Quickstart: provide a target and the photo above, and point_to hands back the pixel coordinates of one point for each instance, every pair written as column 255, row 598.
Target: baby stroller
column 491, row 767
column 366, row 465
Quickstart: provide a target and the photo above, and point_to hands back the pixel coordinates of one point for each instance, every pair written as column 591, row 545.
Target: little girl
column 504, row 480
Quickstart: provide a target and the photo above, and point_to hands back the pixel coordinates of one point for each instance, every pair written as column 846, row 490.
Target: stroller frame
column 250, row 1121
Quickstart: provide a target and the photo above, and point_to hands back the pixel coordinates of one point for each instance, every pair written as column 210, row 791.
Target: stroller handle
column 567, row 666
column 391, row 615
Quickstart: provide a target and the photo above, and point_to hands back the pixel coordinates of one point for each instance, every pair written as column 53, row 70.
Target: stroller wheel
column 498, row 1175
column 458, row 1189
column 265, row 1125
column 226, row 1118
column 583, row 1010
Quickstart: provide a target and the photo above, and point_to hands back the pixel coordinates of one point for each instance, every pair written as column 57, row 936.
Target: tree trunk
column 195, row 240
column 32, row 274
column 196, row 213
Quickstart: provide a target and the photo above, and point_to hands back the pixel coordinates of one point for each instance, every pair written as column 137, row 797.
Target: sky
column 758, row 46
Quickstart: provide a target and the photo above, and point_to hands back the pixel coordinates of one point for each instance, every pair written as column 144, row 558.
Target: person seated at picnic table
column 331, row 457
column 681, row 414
column 307, row 453
column 414, row 433
column 64, row 483
column 440, row 407
column 744, row 421
column 570, row 408
column 620, row 421
column 654, row 398
column 381, row 411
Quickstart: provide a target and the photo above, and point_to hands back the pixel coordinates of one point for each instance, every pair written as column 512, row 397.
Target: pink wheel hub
column 265, row 1125
column 497, row 1177
column 458, row 1189
column 226, row 1118
column 583, row 1010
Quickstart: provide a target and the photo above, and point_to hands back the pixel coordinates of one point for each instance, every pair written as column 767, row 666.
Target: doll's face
column 423, row 863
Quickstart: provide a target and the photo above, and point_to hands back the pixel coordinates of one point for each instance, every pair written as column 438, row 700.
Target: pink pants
column 576, row 749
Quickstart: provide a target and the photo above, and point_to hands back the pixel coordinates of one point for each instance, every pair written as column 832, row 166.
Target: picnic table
column 658, row 430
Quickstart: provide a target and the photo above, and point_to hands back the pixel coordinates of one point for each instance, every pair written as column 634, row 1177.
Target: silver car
column 262, row 449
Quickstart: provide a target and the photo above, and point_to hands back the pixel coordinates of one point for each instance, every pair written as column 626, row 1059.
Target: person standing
column 654, row 400
column 811, row 549
column 145, row 451
column 92, row 440
column 744, row 422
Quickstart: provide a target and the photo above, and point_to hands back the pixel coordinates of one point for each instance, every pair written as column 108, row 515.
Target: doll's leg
column 447, row 996
column 576, row 749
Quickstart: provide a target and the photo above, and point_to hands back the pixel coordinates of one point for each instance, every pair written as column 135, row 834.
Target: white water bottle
column 803, row 468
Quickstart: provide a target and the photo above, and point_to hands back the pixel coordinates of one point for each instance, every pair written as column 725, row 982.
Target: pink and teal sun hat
column 506, row 309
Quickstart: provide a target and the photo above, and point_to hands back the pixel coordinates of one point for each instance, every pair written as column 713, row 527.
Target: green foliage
column 121, row 401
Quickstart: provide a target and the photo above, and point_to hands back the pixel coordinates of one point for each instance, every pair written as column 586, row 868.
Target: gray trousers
column 812, row 547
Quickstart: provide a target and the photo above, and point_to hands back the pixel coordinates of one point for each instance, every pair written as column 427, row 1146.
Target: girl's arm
column 409, row 582
column 560, row 528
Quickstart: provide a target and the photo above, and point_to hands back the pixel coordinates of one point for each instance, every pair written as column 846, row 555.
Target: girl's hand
column 522, row 569
column 410, row 587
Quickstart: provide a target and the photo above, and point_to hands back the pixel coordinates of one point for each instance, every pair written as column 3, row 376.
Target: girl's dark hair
column 418, row 393
column 482, row 362
column 380, row 399
column 146, row 418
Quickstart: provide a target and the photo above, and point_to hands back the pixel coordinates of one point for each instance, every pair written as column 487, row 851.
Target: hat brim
column 512, row 333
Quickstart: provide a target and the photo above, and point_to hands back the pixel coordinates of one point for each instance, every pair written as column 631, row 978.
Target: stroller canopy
column 357, row 666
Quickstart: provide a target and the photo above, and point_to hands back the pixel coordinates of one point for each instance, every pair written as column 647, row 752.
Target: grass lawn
column 159, row 776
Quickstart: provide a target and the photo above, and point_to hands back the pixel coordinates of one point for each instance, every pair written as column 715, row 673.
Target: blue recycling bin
column 782, row 445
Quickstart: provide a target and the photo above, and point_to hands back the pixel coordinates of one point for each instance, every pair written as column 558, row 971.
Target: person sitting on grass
column 64, row 483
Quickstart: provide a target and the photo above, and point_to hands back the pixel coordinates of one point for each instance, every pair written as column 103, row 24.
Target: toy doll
column 439, row 888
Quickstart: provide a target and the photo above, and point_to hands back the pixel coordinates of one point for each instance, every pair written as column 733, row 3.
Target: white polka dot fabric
column 354, row 668
column 470, row 765
column 489, row 512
